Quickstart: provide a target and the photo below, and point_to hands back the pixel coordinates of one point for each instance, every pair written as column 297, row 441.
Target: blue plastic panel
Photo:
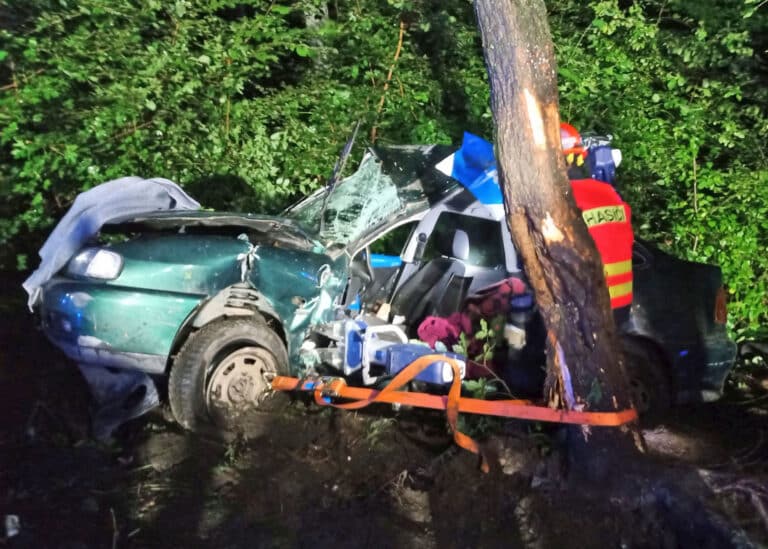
column 381, row 261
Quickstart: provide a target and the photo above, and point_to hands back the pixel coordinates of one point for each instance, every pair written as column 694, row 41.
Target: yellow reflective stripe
column 620, row 267
column 604, row 214
column 619, row 290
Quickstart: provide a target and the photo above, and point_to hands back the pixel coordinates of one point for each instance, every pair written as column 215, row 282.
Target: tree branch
column 389, row 77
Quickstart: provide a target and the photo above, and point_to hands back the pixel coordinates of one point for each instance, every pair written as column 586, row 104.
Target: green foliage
column 235, row 450
column 485, row 340
column 462, row 346
column 679, row 85
column 480, row 349
column 247, row 103
column 377, row 431
column 474, row 425
column 490, row 335
column 478, row 388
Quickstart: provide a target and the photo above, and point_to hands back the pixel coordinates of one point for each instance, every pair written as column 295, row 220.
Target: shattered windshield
column 392, row 183
column 355, row 205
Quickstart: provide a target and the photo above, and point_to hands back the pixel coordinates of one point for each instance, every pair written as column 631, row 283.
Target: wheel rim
column 240, row 381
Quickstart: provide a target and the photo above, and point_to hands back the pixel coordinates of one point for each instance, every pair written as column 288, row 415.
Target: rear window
column 394, row 241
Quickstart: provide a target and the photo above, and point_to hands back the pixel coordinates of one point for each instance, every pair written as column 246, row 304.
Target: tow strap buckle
column 324, row 387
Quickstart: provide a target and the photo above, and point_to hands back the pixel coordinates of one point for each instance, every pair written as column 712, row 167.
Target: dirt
column 318, row 477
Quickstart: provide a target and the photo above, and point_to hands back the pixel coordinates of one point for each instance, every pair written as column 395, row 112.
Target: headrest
column 460, row 248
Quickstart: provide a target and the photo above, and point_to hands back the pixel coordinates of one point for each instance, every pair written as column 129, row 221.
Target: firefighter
column 608, row 219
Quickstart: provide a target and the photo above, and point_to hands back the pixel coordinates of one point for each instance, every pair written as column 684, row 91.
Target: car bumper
column 91, row 352
column 702, row 369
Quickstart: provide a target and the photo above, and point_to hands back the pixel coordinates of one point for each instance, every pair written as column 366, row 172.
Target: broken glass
column 355, row 205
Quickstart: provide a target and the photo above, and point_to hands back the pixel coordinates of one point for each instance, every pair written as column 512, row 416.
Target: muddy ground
column 328, row 478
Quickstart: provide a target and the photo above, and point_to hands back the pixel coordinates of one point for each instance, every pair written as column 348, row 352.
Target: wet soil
column 319, row 477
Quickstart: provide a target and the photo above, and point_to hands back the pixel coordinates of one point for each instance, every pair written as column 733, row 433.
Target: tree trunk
column 584, row 361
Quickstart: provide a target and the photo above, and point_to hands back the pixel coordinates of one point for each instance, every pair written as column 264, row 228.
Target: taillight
column 721, row 306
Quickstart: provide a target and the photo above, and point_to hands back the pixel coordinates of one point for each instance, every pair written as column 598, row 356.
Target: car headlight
column 96, row 263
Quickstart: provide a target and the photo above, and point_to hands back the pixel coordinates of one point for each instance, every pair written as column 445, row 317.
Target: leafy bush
column 247, row 103
column 679, row 86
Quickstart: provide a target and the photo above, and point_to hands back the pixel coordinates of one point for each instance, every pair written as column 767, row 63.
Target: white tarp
column 92, row 209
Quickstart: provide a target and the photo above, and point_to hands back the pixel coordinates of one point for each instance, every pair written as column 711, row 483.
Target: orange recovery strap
column 326, row 389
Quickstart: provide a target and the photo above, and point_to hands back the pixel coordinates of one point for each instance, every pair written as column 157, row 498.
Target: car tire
column 649, row 384
column 223, row 371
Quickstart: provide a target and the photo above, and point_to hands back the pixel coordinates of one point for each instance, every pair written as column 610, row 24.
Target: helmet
column 573, row 148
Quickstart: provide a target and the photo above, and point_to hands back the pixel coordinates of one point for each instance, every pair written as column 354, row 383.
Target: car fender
column 640, row 340
column 237, row 300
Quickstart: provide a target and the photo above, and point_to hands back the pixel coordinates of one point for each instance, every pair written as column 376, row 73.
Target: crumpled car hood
column 270, row 230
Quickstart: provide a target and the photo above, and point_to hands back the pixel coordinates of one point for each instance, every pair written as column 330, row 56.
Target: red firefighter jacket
column 608, row 219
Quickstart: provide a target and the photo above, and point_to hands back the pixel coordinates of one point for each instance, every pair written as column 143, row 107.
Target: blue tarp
column 474, row 166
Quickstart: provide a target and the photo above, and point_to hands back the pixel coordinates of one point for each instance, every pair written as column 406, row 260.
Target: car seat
column 438, row 287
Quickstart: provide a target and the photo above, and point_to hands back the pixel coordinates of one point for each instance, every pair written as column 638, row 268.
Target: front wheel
column 224, row 371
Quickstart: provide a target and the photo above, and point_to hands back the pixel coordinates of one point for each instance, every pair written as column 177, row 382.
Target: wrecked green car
column 217, row 304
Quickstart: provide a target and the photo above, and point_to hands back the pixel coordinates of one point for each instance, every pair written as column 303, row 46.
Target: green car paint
column 195, row 265
column 94, row 315
column 180, row 267
column 135, row 319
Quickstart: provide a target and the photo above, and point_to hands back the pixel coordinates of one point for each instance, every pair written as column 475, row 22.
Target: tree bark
column 584, row 363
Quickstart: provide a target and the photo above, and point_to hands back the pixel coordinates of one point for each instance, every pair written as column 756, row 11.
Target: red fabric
column 613, row 239
column 488, row 303
column 434, row 328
